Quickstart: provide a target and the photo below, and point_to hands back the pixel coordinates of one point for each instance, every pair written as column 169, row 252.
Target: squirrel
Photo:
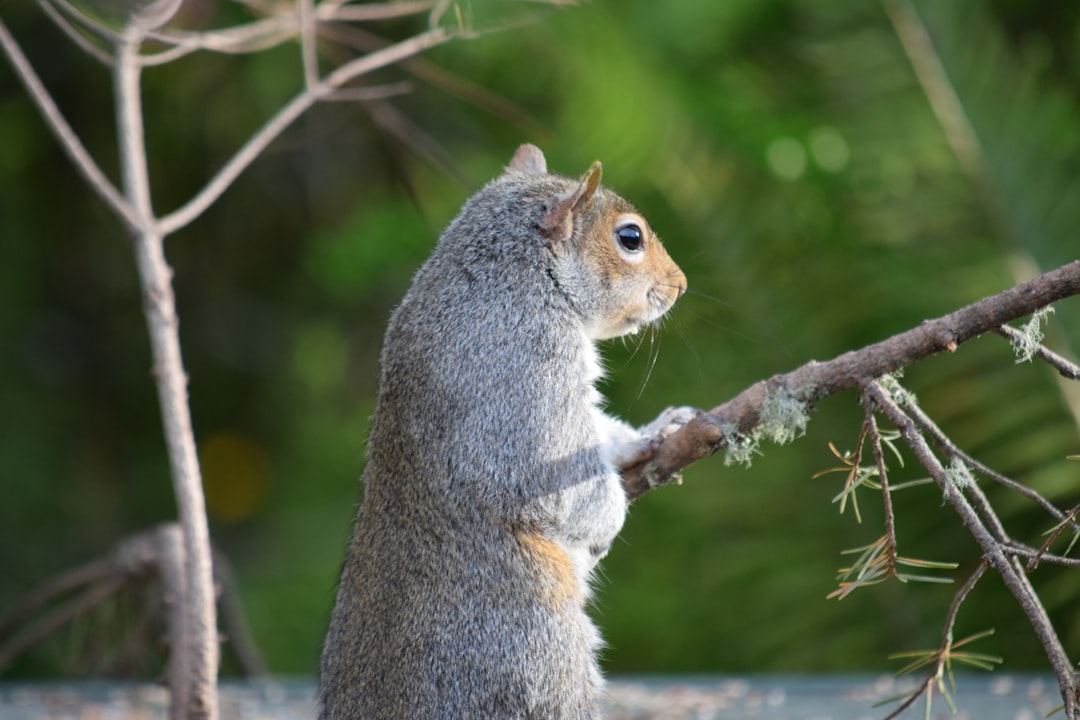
column 492, row 488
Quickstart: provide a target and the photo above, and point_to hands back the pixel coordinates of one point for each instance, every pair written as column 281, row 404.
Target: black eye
column 630, row 237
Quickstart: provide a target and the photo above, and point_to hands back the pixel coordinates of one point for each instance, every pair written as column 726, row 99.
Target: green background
column 796, row 170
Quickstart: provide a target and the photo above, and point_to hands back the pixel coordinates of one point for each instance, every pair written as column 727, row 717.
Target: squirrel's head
column 607, row 258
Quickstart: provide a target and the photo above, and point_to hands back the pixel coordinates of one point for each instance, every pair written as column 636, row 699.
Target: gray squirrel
column 492, row 486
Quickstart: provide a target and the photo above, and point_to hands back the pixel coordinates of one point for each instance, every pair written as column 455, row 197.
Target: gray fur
column 485, row 432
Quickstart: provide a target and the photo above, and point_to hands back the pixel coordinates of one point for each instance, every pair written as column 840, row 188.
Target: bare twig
column 74, row 35
column 886, row 495
column 946, row 642
column 705, row 434
column 1039, row 556
column 131, row 559
column 80, row 18
column 37, row 631
column 1053, row 535
column 264, row 33
column 309, row 58
column 234, row 622
column 336, row 10
column 69, row 141
column 402, row 128
column 949, row 447
column 438, row 77
column 285, row 117
column 370, row 93
column 45, row 593
column 1065, row 368
column 153, row 554
column 236, row 40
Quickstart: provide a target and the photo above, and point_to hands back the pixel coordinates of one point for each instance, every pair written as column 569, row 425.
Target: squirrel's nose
column 678, row 279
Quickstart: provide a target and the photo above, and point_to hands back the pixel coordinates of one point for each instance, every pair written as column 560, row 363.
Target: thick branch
column 815, row 380
column 196, row 694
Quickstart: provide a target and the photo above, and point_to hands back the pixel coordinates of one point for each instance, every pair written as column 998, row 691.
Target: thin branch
column 42, row 595
column 958, row 599
column 285, row 117
column 436, row 76
column 270, row 31
column 69, row 141
column 946, row 641
column 870, row 423
column 130, row 134
column 1039, row 556
column 90, row 23
column 370, row 93
column 37, row 631
column 240, row 39
column 308, row 50
column 1065, row 368
column 130, row 558
column 327, row 11
column 401, row 126
column 1055, row 533
column 815, row 380
column 949, row 447
column 237, row 630
column 74, row 35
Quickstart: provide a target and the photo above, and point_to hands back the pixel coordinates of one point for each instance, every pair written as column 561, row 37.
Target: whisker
column 654, row 354
column 767, row 327
column 718, row 301
column 638, row 341
column 693, row 351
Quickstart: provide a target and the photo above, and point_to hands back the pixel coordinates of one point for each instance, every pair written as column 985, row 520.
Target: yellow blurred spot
column 234, row 472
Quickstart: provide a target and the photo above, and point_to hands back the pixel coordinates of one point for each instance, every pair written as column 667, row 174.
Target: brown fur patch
column 553, row 568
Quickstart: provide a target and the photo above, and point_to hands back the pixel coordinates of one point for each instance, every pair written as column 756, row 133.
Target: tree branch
column 1067, row 369
column 995, row 553
column 946, row 644
column 69, row 141
column 195, row 677
column 74, row 35
column 285, row 117
column 949, row 447
column 813, row 381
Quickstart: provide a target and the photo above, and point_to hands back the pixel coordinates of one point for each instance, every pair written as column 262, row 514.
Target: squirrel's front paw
column 668, row 422
column 641, row 448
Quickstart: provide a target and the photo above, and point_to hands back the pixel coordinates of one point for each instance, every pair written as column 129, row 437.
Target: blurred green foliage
column 786, row 152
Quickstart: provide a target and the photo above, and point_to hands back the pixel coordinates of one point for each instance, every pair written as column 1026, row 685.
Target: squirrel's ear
column 557, row 221
column 528, row 159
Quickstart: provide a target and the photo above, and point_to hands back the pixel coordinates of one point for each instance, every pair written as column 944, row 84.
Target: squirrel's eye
column 630, row 237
